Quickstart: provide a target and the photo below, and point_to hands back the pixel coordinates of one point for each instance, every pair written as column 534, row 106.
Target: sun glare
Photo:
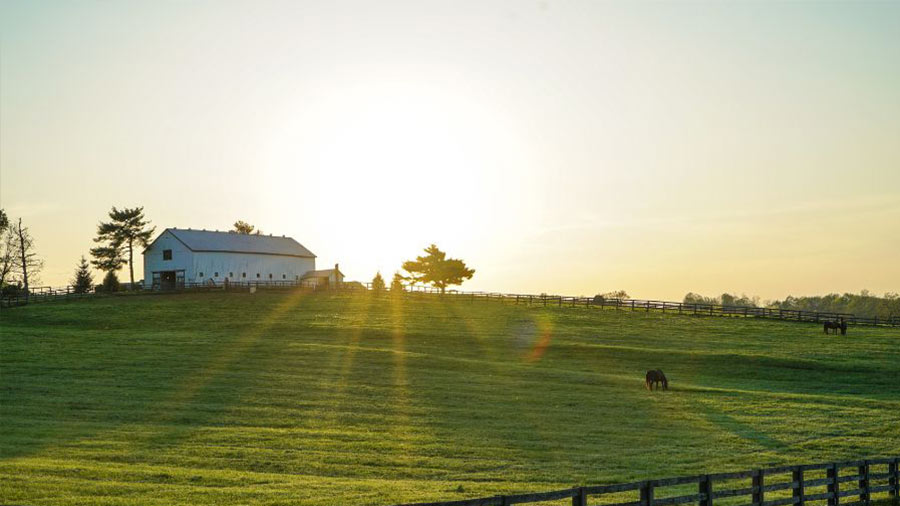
column 400, row 164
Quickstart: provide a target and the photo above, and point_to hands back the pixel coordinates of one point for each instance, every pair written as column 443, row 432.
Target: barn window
column 270, row 275
column 215, row 275
column 284, row 276
column 167, row 254
column 297, row 277
column 257, row 275
column 230, row 274
column 201, row 274
column 243, row 274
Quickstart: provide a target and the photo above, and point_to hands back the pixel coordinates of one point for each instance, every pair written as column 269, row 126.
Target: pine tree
column 437, row 269
column 378, row 283
column 397, row 283
column 127, row 229
column 111, row 282
column 84, row 280
column 242, row 227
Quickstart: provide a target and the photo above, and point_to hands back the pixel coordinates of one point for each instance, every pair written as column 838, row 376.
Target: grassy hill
column 278, row 398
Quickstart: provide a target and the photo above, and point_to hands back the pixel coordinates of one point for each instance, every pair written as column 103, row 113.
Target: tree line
column 864, row 304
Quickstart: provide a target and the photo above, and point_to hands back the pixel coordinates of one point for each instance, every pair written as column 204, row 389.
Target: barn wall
column 210, row 263
column 153, row 258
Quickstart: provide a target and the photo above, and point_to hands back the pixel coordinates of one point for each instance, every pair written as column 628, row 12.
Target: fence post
column 894, row 480
column 580, row 498
column 647, row 493
column 833, row 485
column 759, row 481
column 864, row 482
column 797, row 476
column 705, row 490
column 504, row 500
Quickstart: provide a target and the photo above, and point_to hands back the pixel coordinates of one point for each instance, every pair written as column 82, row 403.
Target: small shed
column 324, row 278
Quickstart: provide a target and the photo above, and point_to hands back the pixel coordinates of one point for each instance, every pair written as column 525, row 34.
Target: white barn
column 180, row 256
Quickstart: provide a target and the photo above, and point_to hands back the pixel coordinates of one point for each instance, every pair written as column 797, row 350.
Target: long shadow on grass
column 74, row 370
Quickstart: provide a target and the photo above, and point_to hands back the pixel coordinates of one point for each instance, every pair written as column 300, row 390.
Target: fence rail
column 665, row 307
column 46, row 293
column 49, row 294
column 774, row 486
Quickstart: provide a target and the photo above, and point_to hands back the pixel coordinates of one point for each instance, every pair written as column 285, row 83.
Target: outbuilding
column 185, row 256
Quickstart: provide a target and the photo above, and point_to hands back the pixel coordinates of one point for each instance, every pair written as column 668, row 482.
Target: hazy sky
column 560, row 147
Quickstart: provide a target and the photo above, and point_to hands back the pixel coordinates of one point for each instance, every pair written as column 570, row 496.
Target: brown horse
column 842, row 326
column 656, row 377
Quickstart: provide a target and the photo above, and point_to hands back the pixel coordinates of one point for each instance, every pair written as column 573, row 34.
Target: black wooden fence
column 44, row 294
column 663, row 306
column 853, row 483
column 40, row 294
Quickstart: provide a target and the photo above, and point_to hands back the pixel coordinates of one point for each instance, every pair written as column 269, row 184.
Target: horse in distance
column 841, row 325
column 656, row 377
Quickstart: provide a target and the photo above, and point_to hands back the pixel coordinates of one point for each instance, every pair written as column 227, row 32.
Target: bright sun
column 399, row 165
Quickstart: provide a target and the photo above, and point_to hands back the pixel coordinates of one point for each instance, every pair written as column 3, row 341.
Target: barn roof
column 230, row 242
column 322, row 273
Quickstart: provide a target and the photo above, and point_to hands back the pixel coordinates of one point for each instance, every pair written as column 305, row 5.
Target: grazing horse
column 842, row 326
column 656, row 377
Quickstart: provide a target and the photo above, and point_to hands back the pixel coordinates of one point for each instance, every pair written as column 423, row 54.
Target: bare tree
column 8, row 256
column 28, row 262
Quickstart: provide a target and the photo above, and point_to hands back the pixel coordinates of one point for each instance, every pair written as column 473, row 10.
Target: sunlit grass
column 279, row 398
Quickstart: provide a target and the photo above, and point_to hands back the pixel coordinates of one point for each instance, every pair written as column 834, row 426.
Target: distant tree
column 84, row 280
column 242, row 227
column 696, row 298
column 618, row 294
column 863, row 304
column 127, row 229
column 438, row 270
column 8, row 256
column 111, row 282
column 397, row 283
column 28, row 263
column 378, row 283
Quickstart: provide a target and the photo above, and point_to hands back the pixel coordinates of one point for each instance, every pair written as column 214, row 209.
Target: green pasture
column 291, row 398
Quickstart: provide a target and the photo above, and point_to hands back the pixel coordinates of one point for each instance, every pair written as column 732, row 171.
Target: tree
column 84, row 280
column 111, row 282
column 397, row 283
column 438, row 270
column 28, row 262
column 378, row 283
column 126, row 230
column 8, row 257
column 107, row 258
column 242, row 227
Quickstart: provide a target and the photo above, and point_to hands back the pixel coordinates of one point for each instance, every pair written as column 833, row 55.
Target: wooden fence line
column 43, row 294
column 865, row 480
column 648, row 305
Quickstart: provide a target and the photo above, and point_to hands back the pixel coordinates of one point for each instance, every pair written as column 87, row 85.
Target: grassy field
column 285, row 398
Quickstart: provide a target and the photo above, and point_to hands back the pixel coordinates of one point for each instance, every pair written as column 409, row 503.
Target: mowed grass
column 291, row 398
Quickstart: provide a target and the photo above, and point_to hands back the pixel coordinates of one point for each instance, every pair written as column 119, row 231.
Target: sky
column 556, row 146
